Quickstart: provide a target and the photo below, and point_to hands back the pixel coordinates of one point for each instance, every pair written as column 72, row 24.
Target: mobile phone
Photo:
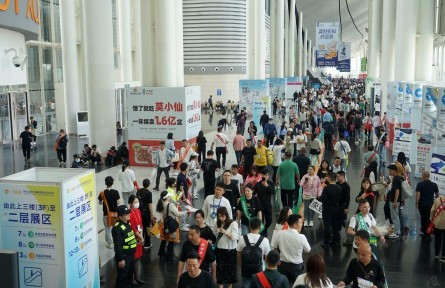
column 263, row 179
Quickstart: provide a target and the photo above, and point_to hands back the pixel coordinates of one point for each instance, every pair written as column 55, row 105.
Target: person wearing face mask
column 136, row 225
column 76, row 162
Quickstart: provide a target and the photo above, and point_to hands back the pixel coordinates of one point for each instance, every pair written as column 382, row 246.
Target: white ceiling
column 327, row 11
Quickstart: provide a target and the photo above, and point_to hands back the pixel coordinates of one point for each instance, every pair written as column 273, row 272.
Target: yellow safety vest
column 130, row 240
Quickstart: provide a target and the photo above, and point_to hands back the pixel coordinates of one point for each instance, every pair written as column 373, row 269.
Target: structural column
column 309, row 60
column 99, row 72
column 305, row 53
column 250, row 43
column 375, row 34
column 273, row 33
column 424, row 40
column 260, row 39
column 71, row 82
column 300, row 45
column 279, row 39
column 137, row 63
column 179, row 36
column 291, row 39
column 388, row 52
column 125, row 40
column 405, row 46
column 148, row 26
column 286, row 39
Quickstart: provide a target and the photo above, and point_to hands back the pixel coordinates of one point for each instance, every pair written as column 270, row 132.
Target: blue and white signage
column 326, row 53
column 344, row 57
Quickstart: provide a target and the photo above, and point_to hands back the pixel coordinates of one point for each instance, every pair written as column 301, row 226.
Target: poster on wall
column 153, row 112
column 326, row 53
column 441, row 104
column 250, row 90
column 402, row 142
column 423, row 153
column 437, row 170
column 277, row 87
column 294, row 85
column 344, row 57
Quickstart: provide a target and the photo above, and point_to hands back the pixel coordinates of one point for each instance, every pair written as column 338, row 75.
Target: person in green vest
column 125, row 243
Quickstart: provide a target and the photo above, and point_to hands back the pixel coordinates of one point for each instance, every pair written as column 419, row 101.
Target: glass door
column 5, row 118
column 19, row 113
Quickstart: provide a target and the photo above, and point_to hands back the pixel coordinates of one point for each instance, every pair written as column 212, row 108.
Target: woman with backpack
column 227, row 236
column 168, row 238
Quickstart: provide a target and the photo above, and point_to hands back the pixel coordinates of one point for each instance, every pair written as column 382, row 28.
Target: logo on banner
column 418, row 93
column 443, row 99
column 408, row 90
column 399, row 88
column 428, row 95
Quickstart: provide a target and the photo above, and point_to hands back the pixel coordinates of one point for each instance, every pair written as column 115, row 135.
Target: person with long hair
column 282, row 130
column 136, row 225
column 281, row 223
column 168, row 240
column 226, row 242
column 366, row 193
column 324, row 169
column 315, row 149
column 206, row 231
column 315, row 276
column 371, row 172
column 251, row 131
column 311, row 190
column 249, row 207
column 253, row 177
column 382, row 137
column 128, row 181
column 289, row 141
column 403, row 168
column 201, row 143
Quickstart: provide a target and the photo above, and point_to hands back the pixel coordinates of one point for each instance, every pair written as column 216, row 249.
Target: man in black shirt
column 364, row 271
column 425, row 192
column 393, row 199
column 146, row 198
column 109, row 198
column 26, row 139
column 264, row 119
column 194, row 276
column 264, row 190
column 247, row 157
column 302, row 161
column 231, row 191
column 344, row 204
column 209, row 166
column 330, row 198
column 194, row 243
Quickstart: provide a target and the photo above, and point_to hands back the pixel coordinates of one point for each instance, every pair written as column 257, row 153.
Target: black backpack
column 252, row 257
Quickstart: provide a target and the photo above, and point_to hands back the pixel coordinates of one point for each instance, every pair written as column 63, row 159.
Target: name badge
column 213, row 215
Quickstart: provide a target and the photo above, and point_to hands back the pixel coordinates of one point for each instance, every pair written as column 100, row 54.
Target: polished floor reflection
column 408, row 261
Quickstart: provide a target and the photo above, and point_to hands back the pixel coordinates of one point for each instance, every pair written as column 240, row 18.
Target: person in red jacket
column 136, row 225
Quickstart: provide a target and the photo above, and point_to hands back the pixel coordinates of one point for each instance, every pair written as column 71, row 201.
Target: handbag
column 156, row 230
column 430, row 228
column 170, row 223
column 56, row 145
column 112, row 217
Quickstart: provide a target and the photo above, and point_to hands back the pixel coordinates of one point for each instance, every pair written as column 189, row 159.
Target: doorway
column 13, row 115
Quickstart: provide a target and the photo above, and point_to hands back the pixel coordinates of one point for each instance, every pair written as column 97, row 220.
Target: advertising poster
column 430, row 96
column 153, row 112
column 437, row 170
column 250, row 90
column 423, row 153
column 326, row 53
column 277, row 87
column 344, row 57
column 441, row 104
column 80, row 231
column 31, row 225
column 260, row 100
column 417, row 99
column 391, row 101
column 402, row 142
column 294, row 85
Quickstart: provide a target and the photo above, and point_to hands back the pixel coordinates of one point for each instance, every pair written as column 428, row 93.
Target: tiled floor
column 408, row 261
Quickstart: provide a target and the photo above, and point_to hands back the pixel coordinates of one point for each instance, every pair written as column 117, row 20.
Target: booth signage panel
column 417, row 99
column 326, row 53
column 250, row 90
column 423, row 153
column 441, row 104
column 437, row 170
column 277, row 87
column 430, row 96
column 402, row 142
column 80, row 231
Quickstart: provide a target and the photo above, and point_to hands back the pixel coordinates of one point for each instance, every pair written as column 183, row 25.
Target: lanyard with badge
column 213, row 215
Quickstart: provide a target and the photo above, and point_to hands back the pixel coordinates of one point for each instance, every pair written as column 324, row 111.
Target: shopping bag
column 155, row 230
column 153, row 175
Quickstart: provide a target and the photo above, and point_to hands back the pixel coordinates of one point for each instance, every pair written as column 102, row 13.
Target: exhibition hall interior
column 100, row 100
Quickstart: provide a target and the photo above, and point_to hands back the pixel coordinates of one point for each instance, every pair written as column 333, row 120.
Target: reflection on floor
column 408, row 262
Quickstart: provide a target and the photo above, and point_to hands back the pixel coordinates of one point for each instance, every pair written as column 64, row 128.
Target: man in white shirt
column 254, row 239
column 291, row 245
column 212, row 203
column 163, row 163
column 185, row 152
column 342, row 150
column 376, row 123
column 220, row 142
column 237, row 178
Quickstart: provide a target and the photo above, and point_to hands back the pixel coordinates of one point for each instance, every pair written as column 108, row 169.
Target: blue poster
column 326, row 53
column 344, row 57
column 254, row 96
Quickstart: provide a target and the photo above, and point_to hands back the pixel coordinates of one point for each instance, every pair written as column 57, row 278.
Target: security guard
column 124, row 246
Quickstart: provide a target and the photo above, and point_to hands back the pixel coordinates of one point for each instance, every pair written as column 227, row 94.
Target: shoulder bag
column 170, row 223
column 112, row 216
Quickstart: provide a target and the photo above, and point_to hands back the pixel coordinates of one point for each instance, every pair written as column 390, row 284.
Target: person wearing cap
column 76, row 161
column 125, row 243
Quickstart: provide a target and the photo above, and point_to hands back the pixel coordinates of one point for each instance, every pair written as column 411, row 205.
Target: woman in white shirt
column 227, row 235
column 127, row 179
column 315, row 276
column 276, row 150
column 281, row 224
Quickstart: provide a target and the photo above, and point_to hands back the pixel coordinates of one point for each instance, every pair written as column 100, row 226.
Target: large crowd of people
column 280, row 167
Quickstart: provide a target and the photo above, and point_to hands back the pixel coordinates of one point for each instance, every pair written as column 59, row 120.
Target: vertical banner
column 430, row 96
column 344, row 57
column 363, row 62
column 402, row 142
column 326, row 53
column 441, row 104
column 293, row 86
column 260, row 99
column 248, row 89
column 437, row 169
column 417, row 99
column 277, row 88
column 423, row 153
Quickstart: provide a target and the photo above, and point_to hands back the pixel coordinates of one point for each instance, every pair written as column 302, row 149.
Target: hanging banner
column 417, row 99
column 441, row 104
column 437, row 169
column 254, row 95
column 402, row 142
column 277, row 87
column 344, row 57
column 423, row 153
column 430, row 96
column 326, row 53
column 363, row 62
